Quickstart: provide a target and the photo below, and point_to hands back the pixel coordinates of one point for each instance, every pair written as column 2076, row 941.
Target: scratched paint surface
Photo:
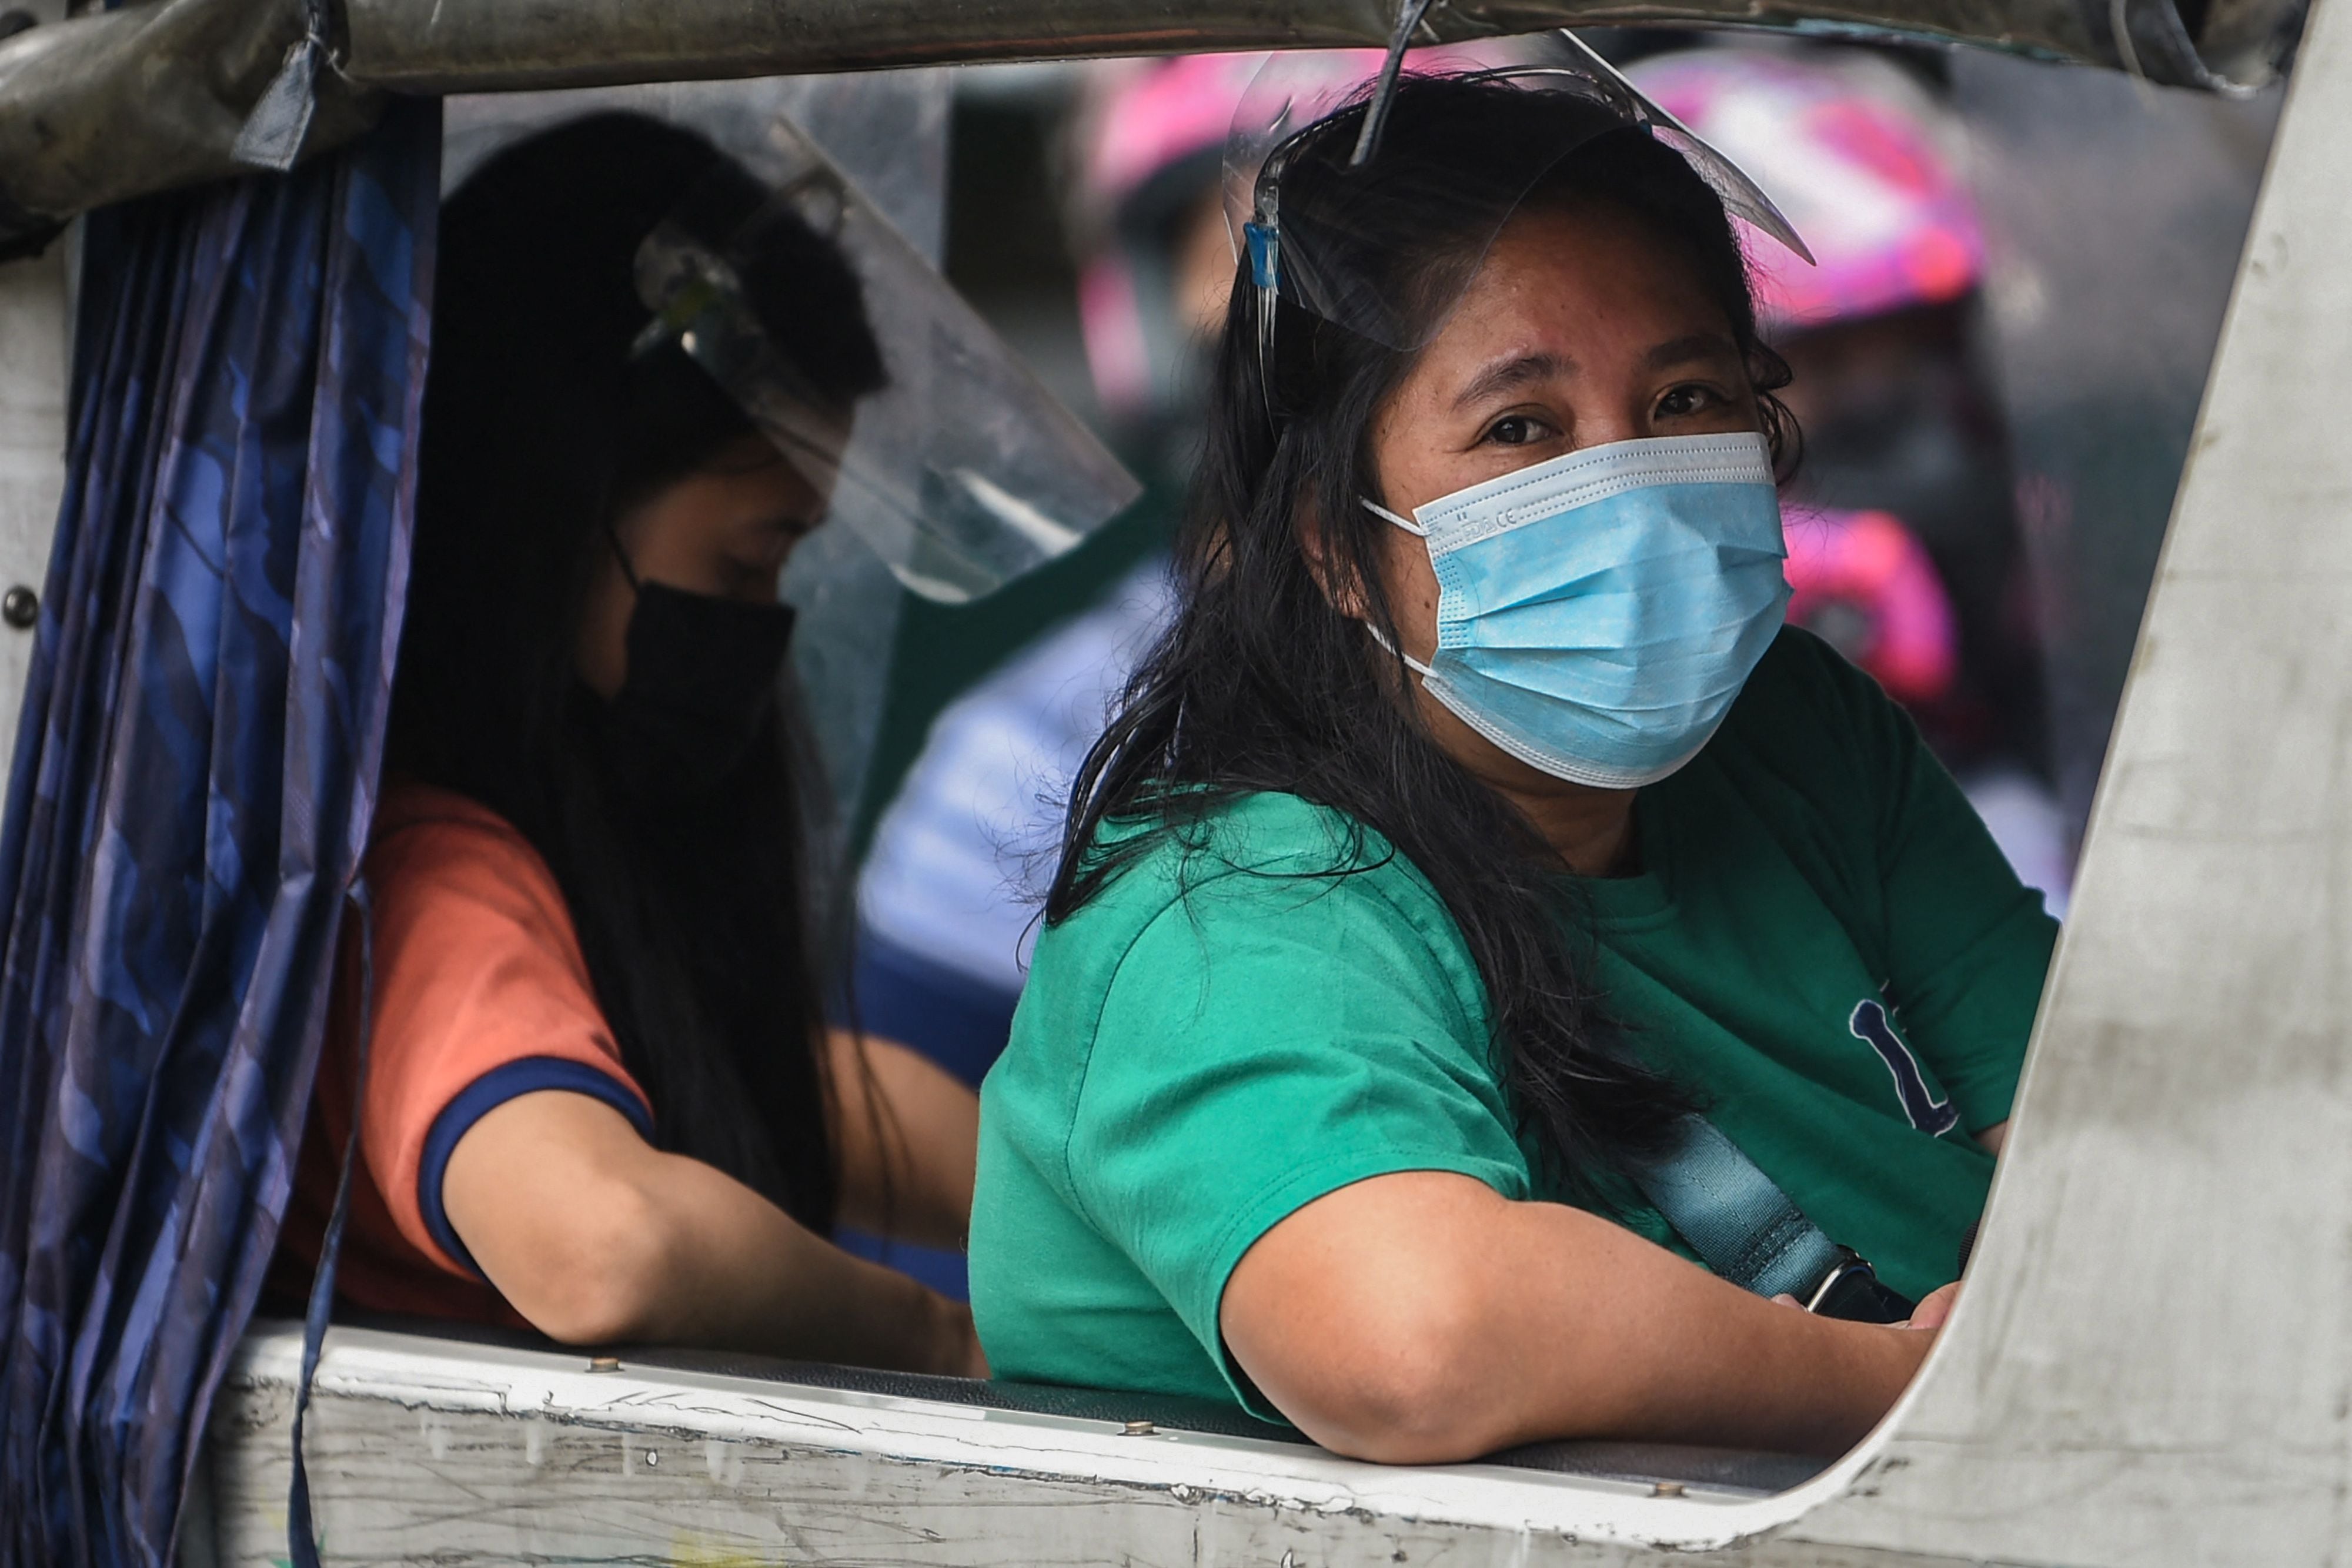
column 460, row 1459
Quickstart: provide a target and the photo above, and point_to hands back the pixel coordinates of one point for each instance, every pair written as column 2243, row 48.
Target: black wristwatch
column 1851, row 1290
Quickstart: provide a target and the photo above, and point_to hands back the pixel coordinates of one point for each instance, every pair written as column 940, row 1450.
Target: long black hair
column 541, row 426
column 1262, row 684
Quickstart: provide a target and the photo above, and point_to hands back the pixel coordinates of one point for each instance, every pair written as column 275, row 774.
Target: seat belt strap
column 1736, row 1218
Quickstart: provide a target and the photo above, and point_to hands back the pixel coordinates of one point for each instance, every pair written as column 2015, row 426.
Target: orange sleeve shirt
column 478, row 994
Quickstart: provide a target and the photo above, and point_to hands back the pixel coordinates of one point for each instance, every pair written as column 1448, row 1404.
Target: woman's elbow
column 1403, row 1420
column 1414, row 1440
column 602, row 1276
column 592, row 1307
column 1416, row 1388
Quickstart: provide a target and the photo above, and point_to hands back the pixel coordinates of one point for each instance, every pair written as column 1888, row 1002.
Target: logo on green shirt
column 1871, row 1026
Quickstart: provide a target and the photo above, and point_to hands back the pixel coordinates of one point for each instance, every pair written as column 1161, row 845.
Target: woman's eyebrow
column 1504, row 374
column 1691, row 347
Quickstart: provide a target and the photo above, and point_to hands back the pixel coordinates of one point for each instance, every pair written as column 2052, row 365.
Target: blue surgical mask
column 1598, row 613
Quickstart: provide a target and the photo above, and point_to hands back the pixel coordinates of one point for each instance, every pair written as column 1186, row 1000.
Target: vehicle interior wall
column 35, row 348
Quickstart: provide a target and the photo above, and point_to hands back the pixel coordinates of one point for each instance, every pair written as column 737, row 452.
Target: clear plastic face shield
column 1304, row 179
column 960, row 469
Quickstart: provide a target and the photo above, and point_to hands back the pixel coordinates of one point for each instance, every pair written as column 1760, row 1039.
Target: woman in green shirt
column 1476, row 824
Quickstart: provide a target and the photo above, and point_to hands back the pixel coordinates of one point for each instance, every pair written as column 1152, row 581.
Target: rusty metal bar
column 103, row 107
column 435, row 45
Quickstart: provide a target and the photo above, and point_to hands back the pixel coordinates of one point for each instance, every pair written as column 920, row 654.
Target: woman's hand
column 597, row 1238
column 1935, row 1308
column 1421, row 1318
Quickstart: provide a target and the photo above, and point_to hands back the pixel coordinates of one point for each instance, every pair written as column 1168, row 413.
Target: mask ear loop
column 1409, row 526
column 1410, row 662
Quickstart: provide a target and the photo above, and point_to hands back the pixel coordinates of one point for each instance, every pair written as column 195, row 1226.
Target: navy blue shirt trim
column 525, row 1075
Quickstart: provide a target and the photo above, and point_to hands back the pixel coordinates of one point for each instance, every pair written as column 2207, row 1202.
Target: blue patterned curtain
column 195, row 775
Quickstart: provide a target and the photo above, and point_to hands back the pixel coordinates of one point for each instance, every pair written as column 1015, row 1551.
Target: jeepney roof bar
column 104, row 106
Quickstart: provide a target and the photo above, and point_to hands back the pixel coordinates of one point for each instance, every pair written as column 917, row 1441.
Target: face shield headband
column 960, row 470
column 1317, row 218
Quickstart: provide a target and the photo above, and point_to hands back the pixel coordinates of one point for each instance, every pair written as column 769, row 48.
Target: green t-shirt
column 1222, row 1036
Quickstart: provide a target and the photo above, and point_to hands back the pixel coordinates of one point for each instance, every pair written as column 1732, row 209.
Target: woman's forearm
column 596, row 1238
column 1421, row 1318
column 1661, row 1349
column 737, row 1272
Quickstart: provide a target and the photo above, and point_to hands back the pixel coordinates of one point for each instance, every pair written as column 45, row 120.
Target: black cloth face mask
column 702, row 671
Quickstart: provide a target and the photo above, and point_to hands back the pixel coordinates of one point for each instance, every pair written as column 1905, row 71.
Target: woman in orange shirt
column 601, row 1098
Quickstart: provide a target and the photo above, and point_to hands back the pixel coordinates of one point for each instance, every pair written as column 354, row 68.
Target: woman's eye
column 1683, row 402
column 1515, row 429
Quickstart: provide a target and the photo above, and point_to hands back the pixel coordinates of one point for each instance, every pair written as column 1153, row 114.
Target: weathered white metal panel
column 35, row 331
column 423, row 1449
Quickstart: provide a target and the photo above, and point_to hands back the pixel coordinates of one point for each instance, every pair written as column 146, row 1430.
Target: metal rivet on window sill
column 20, row 607
column 1667, row 1488
column 1138, row 1429
column 604, row 1363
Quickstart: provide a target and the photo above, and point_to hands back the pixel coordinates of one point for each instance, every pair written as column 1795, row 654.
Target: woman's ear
column 1335, row 577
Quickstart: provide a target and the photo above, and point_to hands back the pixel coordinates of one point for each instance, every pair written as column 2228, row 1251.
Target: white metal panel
column 430, row 1450
column 34, row 333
